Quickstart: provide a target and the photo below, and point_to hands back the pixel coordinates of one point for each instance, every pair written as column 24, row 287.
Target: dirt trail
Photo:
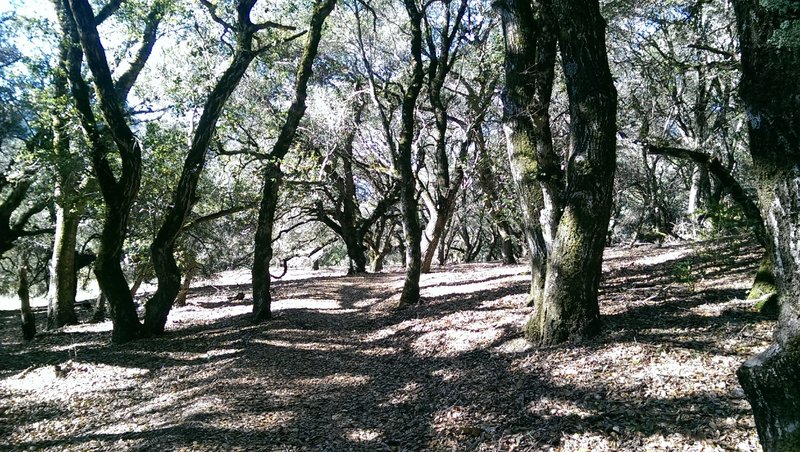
column 340, row 369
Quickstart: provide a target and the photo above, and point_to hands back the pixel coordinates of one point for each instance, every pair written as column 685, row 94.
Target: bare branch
column 212, row 10
column 106, row 11
column 275, row 25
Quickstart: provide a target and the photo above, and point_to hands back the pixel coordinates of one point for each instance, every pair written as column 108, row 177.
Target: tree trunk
column 63, row 282
column 530, row 54
column 440, row 62
column 99, row 308
column 408, row 191
column 487, row 180
column 764, row 292
column 262, row 253
column 699, row 193
column 441, row 214
column 183, row 293
column 61, row 293
column 356, row 252
column 143, row 270
column 771, row 96
column 163, row 247
column 26, row 314
column 262, row 299
column 569, row 310
column 118, row 195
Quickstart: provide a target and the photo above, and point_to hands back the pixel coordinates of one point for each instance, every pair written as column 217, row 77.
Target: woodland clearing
column 340, row 369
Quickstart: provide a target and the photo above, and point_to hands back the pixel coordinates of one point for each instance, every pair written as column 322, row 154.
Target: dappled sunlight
column 410, row 393
column 65, row 379
column 452, row 342
column 335, row 380
column 317, row 346
column 363, row 435
column 514, row 346
column 305, row 303
column 463, row 332
column 340, row 367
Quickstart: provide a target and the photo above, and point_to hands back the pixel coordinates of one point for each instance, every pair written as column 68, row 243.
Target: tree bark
column 61, row 310
column 162, row 250
column 262, row 298
column 487, row 180
column 440, row 62
column 771, row 95
column 712, row 165
column 569, row 310
column 27, row 319
column 408, row 191
column 61, row 296
column 99, row 309
column 118, row 194
column 529, row 32
column 272, row 174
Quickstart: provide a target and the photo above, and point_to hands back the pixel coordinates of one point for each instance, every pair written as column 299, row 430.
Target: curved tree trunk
column 79, row 24
column 262, row 253
column 162, row 249
column 771, row 95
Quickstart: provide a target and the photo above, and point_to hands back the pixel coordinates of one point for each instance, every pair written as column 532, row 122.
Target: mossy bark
column 771, row 97
column 569, row 309
column 530, row 54
column 765, row 291
column 272, row 175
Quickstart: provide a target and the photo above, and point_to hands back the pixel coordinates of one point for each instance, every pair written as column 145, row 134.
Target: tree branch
column 126, row 80
column 729, row 183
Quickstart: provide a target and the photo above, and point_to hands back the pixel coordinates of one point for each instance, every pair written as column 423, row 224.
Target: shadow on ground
column 450, row 374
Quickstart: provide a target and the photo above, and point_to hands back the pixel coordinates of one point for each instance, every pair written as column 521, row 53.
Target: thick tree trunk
column 124, row 317
column 569, row 310
column 530, row 54
column 764, row 292
column 771, row 95
column 356, row 252
column 118, row 195
column 27, row 319
column 63, row 269
column 61, row 296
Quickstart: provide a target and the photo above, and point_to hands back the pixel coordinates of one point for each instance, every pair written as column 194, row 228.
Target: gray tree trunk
column 771, row 95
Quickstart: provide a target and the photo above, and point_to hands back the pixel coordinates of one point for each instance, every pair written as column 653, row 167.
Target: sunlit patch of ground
column 341, row 369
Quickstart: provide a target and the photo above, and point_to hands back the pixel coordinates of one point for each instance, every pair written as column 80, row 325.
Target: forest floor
column 340, row 369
